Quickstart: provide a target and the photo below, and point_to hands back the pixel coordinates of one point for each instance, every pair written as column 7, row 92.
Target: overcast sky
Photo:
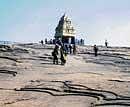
column 94, row 20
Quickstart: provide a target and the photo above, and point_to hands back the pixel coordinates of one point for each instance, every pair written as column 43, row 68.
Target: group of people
column 51, row 41
column 69, row 48
column 55, row 53
column 62, row 50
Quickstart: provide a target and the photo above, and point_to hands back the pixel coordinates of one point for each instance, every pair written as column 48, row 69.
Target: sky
column 94, row 20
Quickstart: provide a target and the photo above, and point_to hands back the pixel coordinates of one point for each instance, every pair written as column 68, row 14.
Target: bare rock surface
column 29, row 79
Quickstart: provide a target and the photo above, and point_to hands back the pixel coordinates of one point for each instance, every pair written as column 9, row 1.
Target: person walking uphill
column 95, row 48
column 55, row 54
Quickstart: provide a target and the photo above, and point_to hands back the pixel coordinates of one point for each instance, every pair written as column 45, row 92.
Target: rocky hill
column 28, row 77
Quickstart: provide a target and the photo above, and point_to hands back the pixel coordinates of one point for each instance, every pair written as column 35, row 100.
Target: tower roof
column 64, row 27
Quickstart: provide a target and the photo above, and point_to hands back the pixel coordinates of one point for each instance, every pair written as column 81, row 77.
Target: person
column 54, row 41
column 81, row 41
column 42, row 42
column 106, row 43
column 59, row 42
column 55, row 54
column 51, row 41
column 74, row 49
column 45, row 40
column 70, row 48
column 95, row 48
column 66, row 48
column 63, row 55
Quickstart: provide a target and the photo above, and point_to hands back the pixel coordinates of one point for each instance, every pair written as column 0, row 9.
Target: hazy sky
column 94, row 20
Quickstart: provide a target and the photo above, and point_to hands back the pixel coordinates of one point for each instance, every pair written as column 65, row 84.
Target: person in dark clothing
column 59, row 42
column 45, row 40
column 63, row 55
column 42, row 42
column 70, row 48
column 74, row 49
column 95, row 48
column 66, row 48
column 106, row 43
column 55, row 54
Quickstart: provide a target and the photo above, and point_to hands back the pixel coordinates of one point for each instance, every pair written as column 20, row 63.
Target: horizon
column 95, row 20
column 38, row 42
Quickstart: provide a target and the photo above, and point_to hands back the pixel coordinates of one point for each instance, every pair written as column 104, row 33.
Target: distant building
column 65, row 31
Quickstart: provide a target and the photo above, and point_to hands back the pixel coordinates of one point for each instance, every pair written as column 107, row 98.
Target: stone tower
column 65, row 31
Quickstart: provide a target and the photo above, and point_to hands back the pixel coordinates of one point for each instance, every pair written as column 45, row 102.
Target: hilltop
column 29, row 79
